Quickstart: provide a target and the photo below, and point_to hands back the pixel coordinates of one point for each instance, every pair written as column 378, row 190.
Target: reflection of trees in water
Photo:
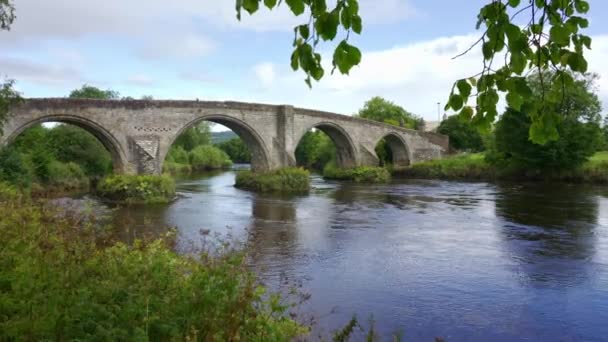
column 549, row 228
column 273, row 232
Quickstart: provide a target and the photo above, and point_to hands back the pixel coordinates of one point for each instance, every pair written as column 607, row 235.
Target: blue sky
column 197, row 49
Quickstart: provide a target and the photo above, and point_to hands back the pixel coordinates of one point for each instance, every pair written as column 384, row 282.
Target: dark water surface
column 465, row 261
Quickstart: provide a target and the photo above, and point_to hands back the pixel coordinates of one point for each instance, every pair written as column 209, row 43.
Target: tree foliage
column 91, row 92
column 315, row 150
column 463, row 136
column 8, row 98
column 379, row 109
column 197, row 135
column 578, row 127
column 236, row 149
column 7, row 14
column 528, row 35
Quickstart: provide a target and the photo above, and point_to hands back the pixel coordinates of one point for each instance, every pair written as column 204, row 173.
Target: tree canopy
column 518, row 36
column 90, row 92
column 382, row 110
column 463, row 136
column 578, row 127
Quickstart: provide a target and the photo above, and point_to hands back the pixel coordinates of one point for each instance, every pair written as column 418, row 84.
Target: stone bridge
column 139, row 133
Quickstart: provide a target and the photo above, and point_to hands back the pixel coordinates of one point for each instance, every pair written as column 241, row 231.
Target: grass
column 475, row 167
column 137, row 188
column 362, row 174
column 63, row 278
column 286, row 180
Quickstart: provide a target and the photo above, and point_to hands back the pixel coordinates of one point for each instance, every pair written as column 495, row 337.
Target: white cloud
column 140, row 80
column 415, row 76
column 49, row 74
column 183, row 47
column 265, row 74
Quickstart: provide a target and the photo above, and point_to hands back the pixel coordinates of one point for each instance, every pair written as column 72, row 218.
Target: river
column 464, row 261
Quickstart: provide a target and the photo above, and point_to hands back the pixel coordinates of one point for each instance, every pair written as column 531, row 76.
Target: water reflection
column 549, row 229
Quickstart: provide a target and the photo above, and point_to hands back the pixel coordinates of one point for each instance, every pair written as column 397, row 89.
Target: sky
column 196, row 49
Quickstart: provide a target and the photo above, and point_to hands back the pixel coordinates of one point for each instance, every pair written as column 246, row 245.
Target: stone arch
column 399, row 149
column 107, row 139
column 345, row 148
column 260, row 160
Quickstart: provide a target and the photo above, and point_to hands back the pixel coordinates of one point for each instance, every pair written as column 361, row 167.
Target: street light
column 438, row 112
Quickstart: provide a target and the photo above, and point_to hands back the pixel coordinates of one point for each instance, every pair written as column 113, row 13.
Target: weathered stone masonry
column 139, row 133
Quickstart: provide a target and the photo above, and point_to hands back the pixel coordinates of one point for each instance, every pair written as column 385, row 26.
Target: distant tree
column 579, row 133
column 90, row 92
column 315, row 150
column 379, row 109
column 147, row 97
column 463, row 136
column 236, row 149
column 605, row 133
column 195, row 136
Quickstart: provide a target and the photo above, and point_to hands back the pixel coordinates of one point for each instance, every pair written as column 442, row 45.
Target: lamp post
column 438, row 112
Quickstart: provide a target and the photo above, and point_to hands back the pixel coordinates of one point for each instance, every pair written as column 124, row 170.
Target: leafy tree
column 315, row 150
column 379, row 109
column 69, row 143
column 8, row 97
column 197, row 135
column 605, row 132
column 90, row 92
column 578, row 129
column 549, row 39
column 463, row 136
column 236, row 149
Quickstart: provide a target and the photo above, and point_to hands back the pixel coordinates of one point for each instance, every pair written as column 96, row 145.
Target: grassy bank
column 137, row 188
column 65, row 279
column 475, row 167
column 364, row 174
column 287, row 180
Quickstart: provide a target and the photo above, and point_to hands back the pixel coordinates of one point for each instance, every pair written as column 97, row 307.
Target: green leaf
column 455, row 102
column 514, row 3
column 297, row 6
column 356, row 24
column 295, row 57
column 464, row 88
column 514, row 100
column 466, row 113
column 346, row 17
column 581, row 6
column 251, row 6
column 560, row 35
column 304, row 31
column 346, row 56
column 270, row 3
column 577, row 62
column 327, row 25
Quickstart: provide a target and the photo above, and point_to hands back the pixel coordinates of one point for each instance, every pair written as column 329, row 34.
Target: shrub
column 464, row 166
column 362, row 174
column 176, row 168
column 61, row 279
column 207, row 157
column 463, row 136
column 178, row 154
column 66, row 175
column 137, row 188
column 293, row 180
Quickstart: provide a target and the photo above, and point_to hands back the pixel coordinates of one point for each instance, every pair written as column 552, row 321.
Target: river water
column 464, row 261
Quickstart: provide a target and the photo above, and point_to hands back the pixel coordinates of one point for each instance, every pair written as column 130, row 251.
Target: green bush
column 62, row 279
column 362, row 174
column 137, row 188
column 292, row 180
column 463, row 136
column 66, row 175
column 207, row 157
column 176, row 168
column 464, row 166
column 178, row 154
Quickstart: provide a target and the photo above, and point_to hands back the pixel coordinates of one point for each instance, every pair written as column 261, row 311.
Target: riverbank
column 475, row 167
column 120, row 292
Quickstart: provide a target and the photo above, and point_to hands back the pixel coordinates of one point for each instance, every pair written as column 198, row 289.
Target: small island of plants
column 133, row 189
column 286, row 180
column 362, row 174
